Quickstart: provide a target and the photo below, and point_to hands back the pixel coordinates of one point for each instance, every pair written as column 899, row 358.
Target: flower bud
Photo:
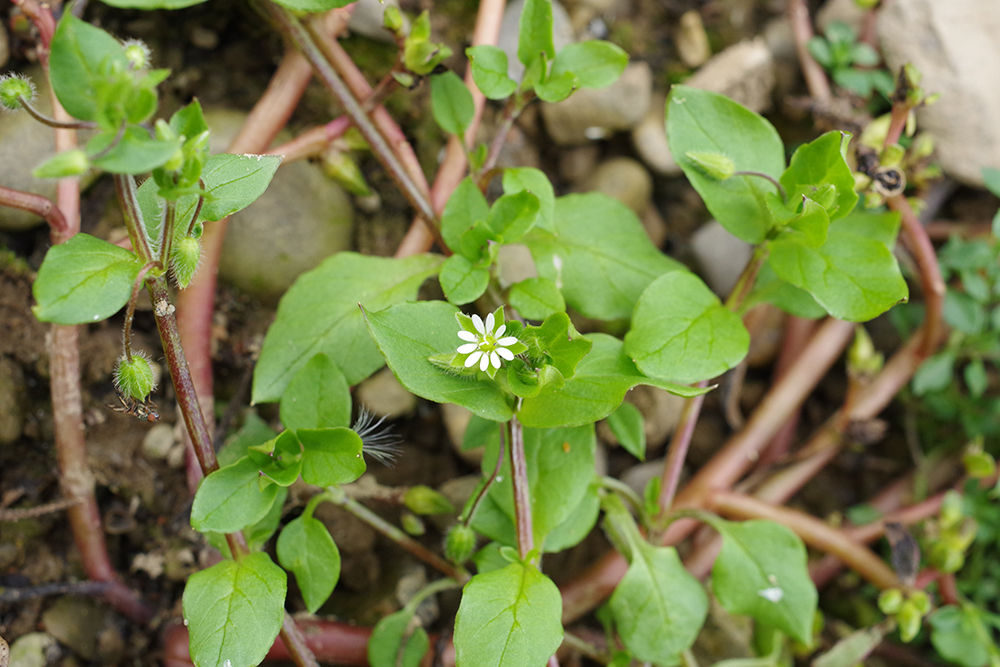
column 909, row 619
column 412, row 524
column 392, row 20
column 184, row 258
column 890, row 601
column 134, row 379
column 61, row 165
column 12, row 88
column 713, row 165
column 425, row 500
column 137, row 53
column 459, row 543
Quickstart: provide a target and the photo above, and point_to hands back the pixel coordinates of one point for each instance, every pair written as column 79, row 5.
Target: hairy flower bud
column 713, row 165
column 14, row 87
column 134, row 379
column 185, row 256
column 62, row 165
column 425, row 500
column 459, row 543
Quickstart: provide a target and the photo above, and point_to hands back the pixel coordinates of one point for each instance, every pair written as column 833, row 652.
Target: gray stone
column 595, row 114
column 840, row 11
column 158, row 442
column 660, row 410
column 300, row 220
column 955, row 46
column 35, row 649
column 367, row 18
column 12, row 400
column 383, row 396
column 515, row 263
column 721, row 256
column 624, row 179
column 692, row 41
column 562, row 34
column 650, row 139
column 76, row 623
column 744, row 72
column 24, row 144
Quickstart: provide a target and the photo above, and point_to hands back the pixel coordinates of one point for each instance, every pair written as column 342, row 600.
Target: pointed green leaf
column 320, row 314
column 489, row 71
column 134, row 153
column 465, row 207
column 808, row 225
column 317, row 397
column 557, row 88
column 822, row 162
column 83, row 280
column 234, row 610
column 596, row 389
column 78, row 53
column 700, row 121
column 599, row 255
column 386, row 647
column 627, row 424
column 658, row 606
column 762, row 572
column 408, row 334
column 537, row 183
column 508, row 618
column 536, row 298
column 279, row 460
column 307, row 550
column 534, row 37
column 512, row 216
column 463, row 281
column 681, row 332
column 596, row 63
column 451, row 103
column 332, row 456
column 231, row 498
column 558, row 341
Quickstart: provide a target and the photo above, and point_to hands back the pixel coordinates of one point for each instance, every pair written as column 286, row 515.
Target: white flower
column 487, row 346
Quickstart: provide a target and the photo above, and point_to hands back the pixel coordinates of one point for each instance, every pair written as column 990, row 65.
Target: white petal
column 509, row 340
column 484, row 363
column 500, row 330
column 505, row 353
column 495, row 360
column 490, row 321
column 468, row 335
column 473, row 358
column 468, row 348
column 478, row 323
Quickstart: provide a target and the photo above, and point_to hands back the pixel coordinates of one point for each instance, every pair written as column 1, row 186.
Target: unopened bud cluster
column 14, row 88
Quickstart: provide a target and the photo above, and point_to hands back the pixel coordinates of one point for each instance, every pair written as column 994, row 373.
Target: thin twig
column 11, row 595
column 35, row 512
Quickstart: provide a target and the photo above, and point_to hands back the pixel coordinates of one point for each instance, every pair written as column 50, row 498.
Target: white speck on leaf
column 773, row 594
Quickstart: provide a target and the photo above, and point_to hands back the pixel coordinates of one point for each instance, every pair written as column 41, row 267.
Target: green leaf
column 508, row 618
column 627, row 424
column 234, row 610
column 386, row 646
column 597, row 388
column 465, row 207
column 536, row 298
column 408, row 334
column 317, row 397
column 463, row 281
column 680, row 331
column 820, row 50
column 991, row 179
column 537, row 183
column 84, row 280
column 78, row 53
column 976, row 378
column 512, row 216
column 852, row 649
column 558, row 341
column 596, row 63
column 959, row 635
column 822, row 162
column 560, row 465
column 557, row 88
column 700, row 121
column 259, row 533
column 152, row 4
column 313, row 5
column 658, row 606
column 136, row 152
column 534, row 37
column 451, row 103
column 769, row 288
column 489, row 71
column 579, row 523
column 934, row 374
column 599, row 255
column 963, row 313
column 854, row 275
column 807, row 225
column 254, row 431
column 307, row 550
column 320, row 314
column 332, row 456
column 762, row 572
column 231, row 498
column 279, row 460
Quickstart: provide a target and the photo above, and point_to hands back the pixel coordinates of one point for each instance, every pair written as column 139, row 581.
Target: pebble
column 744, row 72
column 515, row 263
column 12, row 401
column 650, row 139
column 660, row 410
column 840, row 11
column 456, row 420
column 721, row 256
column 590, row 114
column 76, row 623
column 35, row 649
column 384, row 396
column 578, row 162
column 562, row 33
column 955, row 47
column 624, row 179
column 158, row 442
column 300, row 220
column 692, row 40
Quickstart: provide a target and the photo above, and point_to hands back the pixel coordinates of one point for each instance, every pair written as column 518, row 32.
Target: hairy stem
column 126, row 191
column 522, row 494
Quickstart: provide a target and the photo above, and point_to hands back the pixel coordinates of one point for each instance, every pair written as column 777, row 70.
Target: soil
column 224, row 53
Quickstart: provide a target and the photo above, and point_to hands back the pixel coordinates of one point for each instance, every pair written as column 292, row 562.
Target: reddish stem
column 677, row 453
column 522, row 496
column 40, row 206
column 312, row 142
column 812, row 71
